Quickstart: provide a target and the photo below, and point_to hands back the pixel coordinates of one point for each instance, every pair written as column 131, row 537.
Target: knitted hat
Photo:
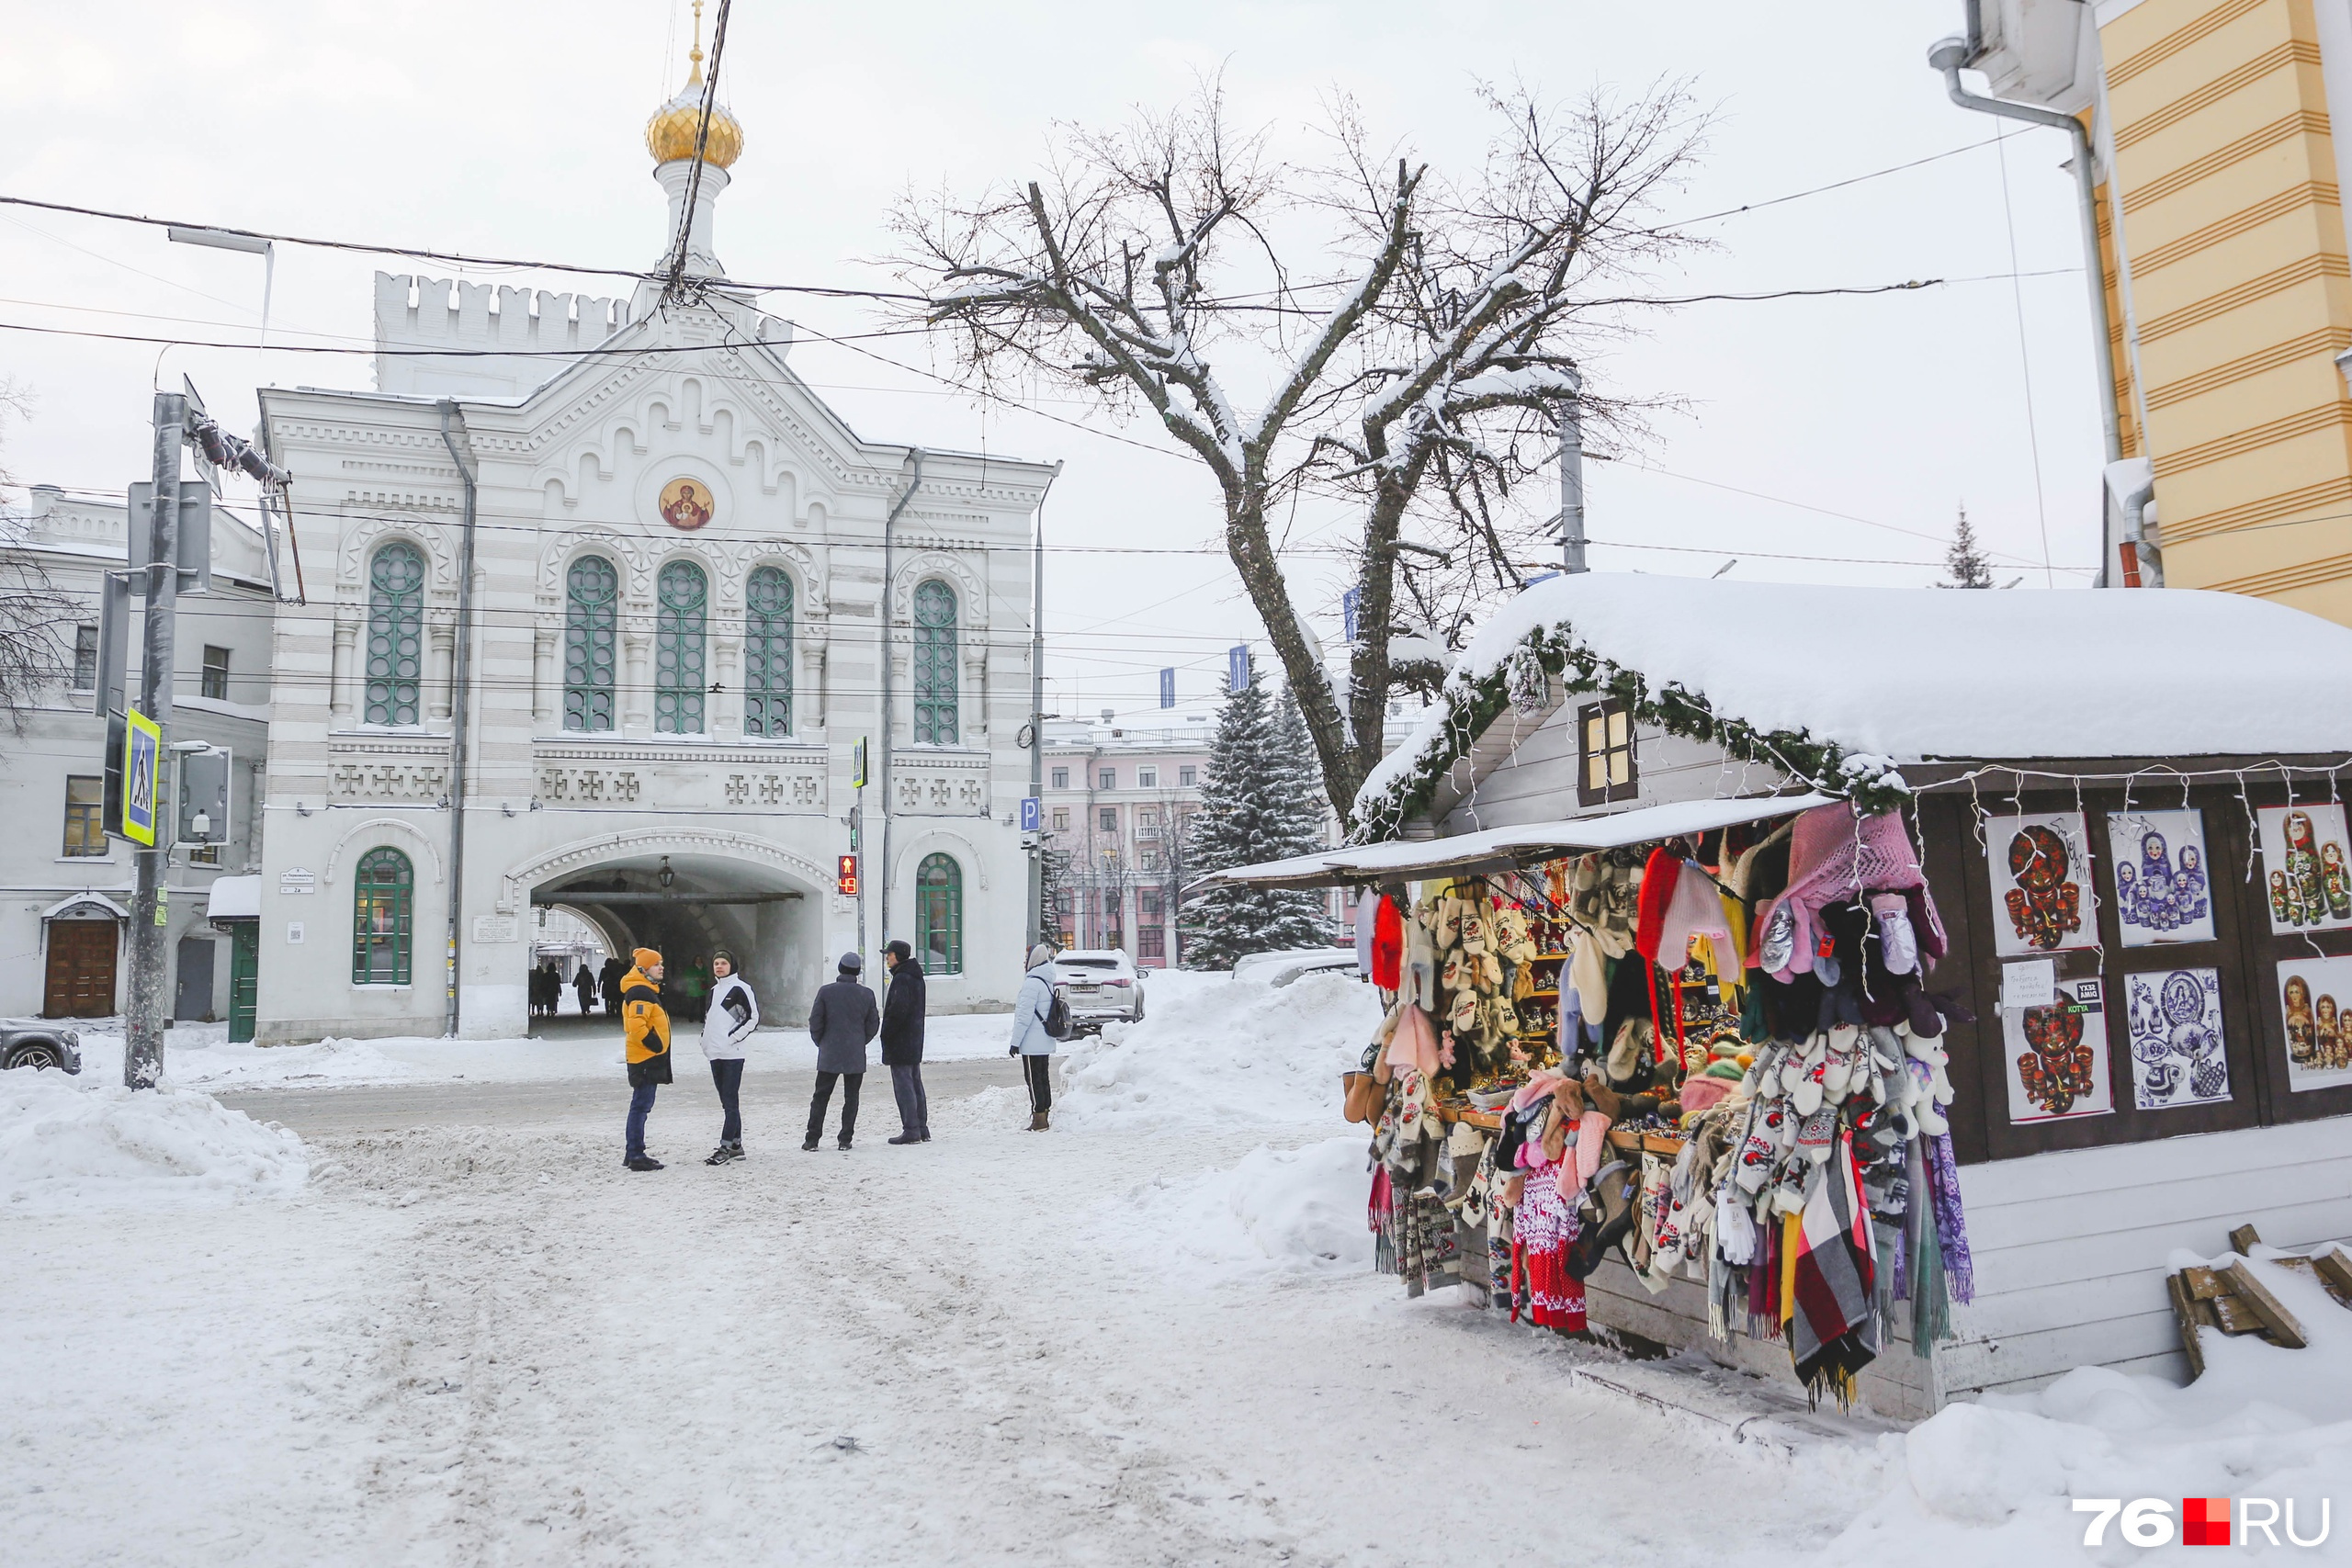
column 1041, row 954
column 722, row 954
column 1834, row 856
column 645, row 958
column 1660, row 877
column 851, row 964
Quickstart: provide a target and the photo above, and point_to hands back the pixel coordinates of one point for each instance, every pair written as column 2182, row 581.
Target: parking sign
column 1031, row 816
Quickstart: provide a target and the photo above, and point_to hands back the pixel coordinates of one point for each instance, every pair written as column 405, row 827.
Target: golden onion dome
column 670, row 134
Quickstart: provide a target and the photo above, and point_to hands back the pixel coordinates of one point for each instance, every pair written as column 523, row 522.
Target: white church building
column 685, row 617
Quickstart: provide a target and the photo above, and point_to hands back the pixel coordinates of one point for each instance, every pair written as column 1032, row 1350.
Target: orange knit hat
column 645, row 958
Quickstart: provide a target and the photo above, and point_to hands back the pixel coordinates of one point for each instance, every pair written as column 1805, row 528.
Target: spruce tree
column 1965, row 565
column 1260, row 801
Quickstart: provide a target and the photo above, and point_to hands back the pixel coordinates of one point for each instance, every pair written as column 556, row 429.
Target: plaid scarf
column 1833, row 1332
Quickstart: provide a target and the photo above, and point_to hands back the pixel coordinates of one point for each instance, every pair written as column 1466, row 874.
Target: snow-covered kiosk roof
column 1839, row 685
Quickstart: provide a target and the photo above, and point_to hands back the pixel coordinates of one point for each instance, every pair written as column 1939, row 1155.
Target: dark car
column 30, row 1042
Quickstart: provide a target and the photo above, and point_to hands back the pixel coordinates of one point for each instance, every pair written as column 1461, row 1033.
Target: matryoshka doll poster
column 2163, row 888
column 2041, row 871
column 2306, row 867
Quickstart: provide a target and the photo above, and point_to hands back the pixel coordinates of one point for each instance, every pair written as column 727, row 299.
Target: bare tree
column 1144, row 266
column 35, row 646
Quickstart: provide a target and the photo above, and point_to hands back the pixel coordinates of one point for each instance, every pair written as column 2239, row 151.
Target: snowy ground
column 1149, row 1336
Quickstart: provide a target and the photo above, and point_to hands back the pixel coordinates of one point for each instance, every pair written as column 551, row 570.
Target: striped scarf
column 1833, row 1332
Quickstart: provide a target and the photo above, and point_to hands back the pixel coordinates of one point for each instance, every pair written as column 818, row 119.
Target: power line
column 1838, row 185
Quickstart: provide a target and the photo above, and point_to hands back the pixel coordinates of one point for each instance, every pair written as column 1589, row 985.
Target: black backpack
column 1057, row 1024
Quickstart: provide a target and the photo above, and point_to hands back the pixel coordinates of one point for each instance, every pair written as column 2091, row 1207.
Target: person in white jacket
column 734, row 1013
column 1031, row 1041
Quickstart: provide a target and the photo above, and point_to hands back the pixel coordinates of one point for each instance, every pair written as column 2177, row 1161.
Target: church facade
column 695, row 592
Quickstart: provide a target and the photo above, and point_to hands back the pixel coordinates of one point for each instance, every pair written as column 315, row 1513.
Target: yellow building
column 2216, row 192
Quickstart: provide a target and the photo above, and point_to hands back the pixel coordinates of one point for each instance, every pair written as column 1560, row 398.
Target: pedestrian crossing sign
column 142, row 749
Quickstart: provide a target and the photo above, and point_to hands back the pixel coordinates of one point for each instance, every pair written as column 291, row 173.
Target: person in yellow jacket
column 645, row 1028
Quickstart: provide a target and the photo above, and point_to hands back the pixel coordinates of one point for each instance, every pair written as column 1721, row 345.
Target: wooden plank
column 2203, row 1284
column 2284, row 1326
column 2245, row 1239
column 2233, row 1317
column 2335, row 1271
column 1970, row 1364
column 2222, row 1196
column 2078, row 1173
column 2097, row 1254
column 2184, row 1312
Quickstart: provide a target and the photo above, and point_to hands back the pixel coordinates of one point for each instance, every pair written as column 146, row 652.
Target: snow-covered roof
column 1907, row 674
column 1492, row 849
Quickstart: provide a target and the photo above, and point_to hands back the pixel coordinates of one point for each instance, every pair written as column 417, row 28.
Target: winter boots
column 724, row 1153
column 1037, row 1122
column 643, row 1162
column 909, row 1136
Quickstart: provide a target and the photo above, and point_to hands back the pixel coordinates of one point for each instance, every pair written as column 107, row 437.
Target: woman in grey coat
column 1031, row 1042
column 842, row 1021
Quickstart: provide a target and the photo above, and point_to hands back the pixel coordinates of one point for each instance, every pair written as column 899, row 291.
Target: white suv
column 1101, row 987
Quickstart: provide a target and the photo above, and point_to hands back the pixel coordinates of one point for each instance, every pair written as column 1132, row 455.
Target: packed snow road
column 479, row 1341
column 443, row 1327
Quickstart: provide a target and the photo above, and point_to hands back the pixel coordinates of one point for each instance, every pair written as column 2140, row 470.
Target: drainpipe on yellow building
column 1950, row 57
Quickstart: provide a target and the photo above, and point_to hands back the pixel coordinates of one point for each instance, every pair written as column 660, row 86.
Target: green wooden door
column 245, row 962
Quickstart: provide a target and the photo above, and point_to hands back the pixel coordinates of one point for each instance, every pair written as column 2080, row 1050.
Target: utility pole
column 143, row 1056
column 1572, row 480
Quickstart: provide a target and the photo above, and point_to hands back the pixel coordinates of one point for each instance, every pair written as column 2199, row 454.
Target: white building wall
column 578, row 467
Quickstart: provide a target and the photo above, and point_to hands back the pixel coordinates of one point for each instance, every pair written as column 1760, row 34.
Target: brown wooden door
column 81, row 969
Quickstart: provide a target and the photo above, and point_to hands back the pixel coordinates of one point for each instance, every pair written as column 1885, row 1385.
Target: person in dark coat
column 842, row 1021
column 585, row 984
column 902, row 1012
column 611, row 984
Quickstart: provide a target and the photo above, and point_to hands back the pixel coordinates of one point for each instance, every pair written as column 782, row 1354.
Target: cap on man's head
column 852, row 963
column 900, row 949
column 645, row 958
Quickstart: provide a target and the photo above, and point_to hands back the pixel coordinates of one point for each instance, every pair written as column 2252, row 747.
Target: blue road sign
column 1031, row 816
column 1349, row 601
column 1237, row 662
column 1168, row 688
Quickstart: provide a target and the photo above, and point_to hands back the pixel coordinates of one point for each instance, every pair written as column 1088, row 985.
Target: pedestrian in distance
column 610, row 982
column 585, row 984
column 902, row 1013
column 1033, row 1038
column 842, row 1021
column 645, row 1029
column 734, row 1013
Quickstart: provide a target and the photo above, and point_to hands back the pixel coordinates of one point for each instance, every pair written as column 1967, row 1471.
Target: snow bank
column 1213, row 1053
column 65, row 1144
column 1299, row 1211
column 1993, row 1482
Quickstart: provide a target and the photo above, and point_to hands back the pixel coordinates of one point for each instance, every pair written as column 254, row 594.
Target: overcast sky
column 1826, row 440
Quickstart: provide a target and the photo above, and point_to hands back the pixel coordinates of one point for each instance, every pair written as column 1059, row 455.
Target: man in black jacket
column 902, row 1012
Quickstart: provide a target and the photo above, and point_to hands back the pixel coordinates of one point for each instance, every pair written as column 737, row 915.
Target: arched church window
column 935, row 664
column 593, row 591
column 677, row 649
column 939, row 915
column 395, row 632
column 382, row 919
column 767, row 654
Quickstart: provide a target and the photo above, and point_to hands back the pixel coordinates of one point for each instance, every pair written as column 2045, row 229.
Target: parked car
column 30, row 1042
column 1281, row 968
column 1101, row 987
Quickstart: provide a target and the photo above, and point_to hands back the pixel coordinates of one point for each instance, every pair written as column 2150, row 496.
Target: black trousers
column 1039, row 1071
column 728, row 1076
column 914, row 1105
column 850, row 1084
